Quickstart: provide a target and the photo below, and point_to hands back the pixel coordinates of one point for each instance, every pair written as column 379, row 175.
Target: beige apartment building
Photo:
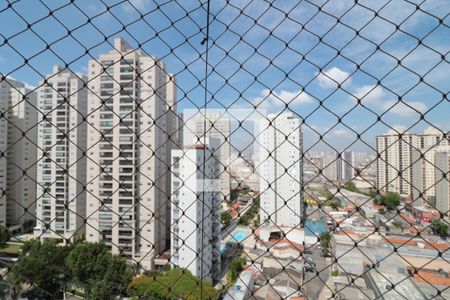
column 17, row 164
column 426, row 171
column 400, row 158
column 215, row 125
column 442, row 179
column 128, row 148
column 61, row 172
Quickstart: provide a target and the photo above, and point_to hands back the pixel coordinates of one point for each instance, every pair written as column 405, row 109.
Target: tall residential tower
column 17, row 163
column 128, row 142
column 346, row 166
column 61, row 168
column 213, row 124
column 195, row 234
column 281, row 170
column 398, row 155
column 442, row 182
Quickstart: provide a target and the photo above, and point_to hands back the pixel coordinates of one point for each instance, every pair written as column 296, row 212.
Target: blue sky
column 243, row 77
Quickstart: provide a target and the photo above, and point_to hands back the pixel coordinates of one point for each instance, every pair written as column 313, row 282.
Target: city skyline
column 375, row 83
column 224, row 150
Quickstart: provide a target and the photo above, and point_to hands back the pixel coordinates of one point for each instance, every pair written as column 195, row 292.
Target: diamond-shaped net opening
column 224, row 149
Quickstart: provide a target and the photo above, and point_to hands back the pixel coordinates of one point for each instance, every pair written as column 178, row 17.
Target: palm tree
column 13, row 287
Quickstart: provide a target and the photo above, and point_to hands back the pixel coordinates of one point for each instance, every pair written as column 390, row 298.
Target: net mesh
column 224, row 149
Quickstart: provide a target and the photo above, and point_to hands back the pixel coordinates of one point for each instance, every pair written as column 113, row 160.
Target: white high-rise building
column 128, row 145
column 195, row 234
column 346, row 166
column 61, row 167
column 397, row 158
column 280, row 171
column 216, row 125
column 18, row 121
column 174, row 130
column 442, row 182
column 329, row 166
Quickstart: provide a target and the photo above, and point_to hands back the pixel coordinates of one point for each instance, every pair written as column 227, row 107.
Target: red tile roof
column 408, row 219
column 286, row 241
column 431, row 277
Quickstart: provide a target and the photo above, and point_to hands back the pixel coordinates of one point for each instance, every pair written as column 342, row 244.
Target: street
column 313, row 283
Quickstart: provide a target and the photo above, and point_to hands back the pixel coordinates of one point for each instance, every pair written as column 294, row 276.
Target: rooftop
column 394, row 286
column 432, row 277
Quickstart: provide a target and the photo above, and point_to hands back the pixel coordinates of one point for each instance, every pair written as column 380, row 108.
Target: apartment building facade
column 427, row 172
column 329, row 166
column 214, row 125
column 195, row 232
column 61, row 167
column 281, row 170
column 442, row 181
column 398, row 155
column 338, row 166
column 127, row 169
column 346, row 166
column 17, row 162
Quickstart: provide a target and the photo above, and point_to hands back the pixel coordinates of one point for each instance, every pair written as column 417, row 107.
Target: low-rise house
column 243, row 289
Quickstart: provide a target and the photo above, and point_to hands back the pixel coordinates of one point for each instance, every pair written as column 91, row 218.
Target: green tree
column 13, row 286
column 256, row 221
column 397, row 224
column 225, row 217
column 328, row 195
column 5, row 236
column 233, row 196
column 391, row 200
column 42, row 265
column 101, row 274
column 237, row 266
column 350, row 186
column 333, row 203
column 249, row 214
column 174, row 284
column 325, row 239
column 26, row 246
column 377, row 200
column 372, row 193
column 439, row 227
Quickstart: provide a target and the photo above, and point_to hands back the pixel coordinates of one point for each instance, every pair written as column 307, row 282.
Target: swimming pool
column 315, row 228
column 239, row 236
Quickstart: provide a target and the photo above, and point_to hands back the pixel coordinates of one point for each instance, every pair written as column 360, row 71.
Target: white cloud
column 375, row 96
column 325, row 129
column 27, row 85
column 369, row 94
column 83, row 70
column 138, row 4
column 405, row 110
column 270, row 99
column 316, row 129
column 340, row 132
column 333, row 77
column 397, row 128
